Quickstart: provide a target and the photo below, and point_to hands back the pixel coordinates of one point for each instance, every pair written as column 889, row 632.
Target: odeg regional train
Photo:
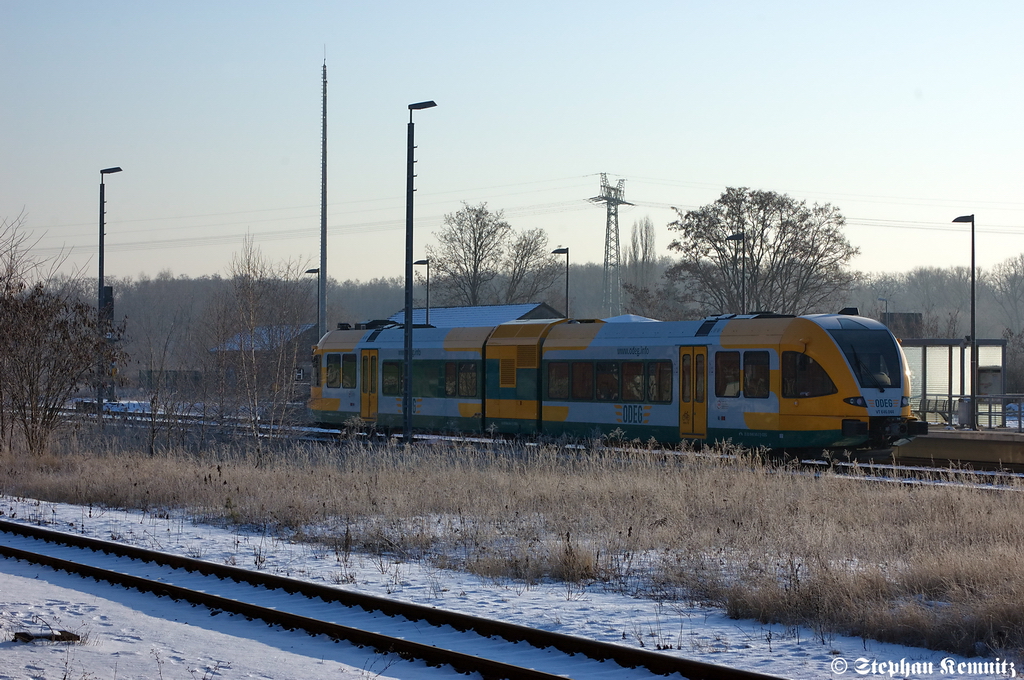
column 823, row 381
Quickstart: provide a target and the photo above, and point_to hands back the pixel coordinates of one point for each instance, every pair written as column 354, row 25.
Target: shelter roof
column 480, row 315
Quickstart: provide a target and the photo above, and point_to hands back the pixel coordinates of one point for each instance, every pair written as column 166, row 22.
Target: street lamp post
column 565, row 251
column 102, row 304
column 409, row 189
column 319, row 313
column 885, row 317
column 741, row 236
column 421, row 263
column 974, row 339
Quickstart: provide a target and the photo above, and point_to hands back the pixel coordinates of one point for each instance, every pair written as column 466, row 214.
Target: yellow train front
column 827, row 381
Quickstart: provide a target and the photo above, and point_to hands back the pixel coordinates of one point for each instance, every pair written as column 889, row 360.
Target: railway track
column 882, row 461
column 437, row 637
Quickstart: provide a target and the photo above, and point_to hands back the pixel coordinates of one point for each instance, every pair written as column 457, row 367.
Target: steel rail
column 435, row 656
column 656, row 663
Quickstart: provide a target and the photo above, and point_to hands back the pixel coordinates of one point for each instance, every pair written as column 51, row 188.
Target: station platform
column 978, row 448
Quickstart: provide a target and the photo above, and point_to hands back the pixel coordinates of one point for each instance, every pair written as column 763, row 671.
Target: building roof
column 481, row 315
column 263, row 338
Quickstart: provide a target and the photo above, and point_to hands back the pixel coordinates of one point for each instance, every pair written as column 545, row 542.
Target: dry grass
column 928, row 565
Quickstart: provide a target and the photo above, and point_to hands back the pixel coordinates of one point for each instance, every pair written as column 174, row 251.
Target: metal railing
column 995, row 411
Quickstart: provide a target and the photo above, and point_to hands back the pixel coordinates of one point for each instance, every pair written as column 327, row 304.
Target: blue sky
column 904, row 115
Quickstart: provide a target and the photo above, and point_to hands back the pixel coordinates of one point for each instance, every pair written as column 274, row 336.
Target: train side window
column 633, row 381
column 316, row 370
column 802, row 377
column 582, row 380
column 727, row 374
column 756, row 375
column 451, row 379
column 659, row 381
column 391, row 376
column 467, row 379
column 348, row 371
column 686, row 377
column 607, row 381
column 558, row 380
column 334, row 370
column 700, row 377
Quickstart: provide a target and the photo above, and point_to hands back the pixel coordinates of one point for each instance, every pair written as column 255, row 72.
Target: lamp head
column 965, row 218
column 422, row 262
column 109, row 171
column 738, row 236
column 422, row 105
column 313, row 271
column 560, row 251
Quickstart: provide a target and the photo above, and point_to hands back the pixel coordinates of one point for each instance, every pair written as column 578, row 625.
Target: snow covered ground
column 126, row 635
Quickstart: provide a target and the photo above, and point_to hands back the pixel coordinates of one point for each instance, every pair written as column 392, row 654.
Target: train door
column 693, row 380
column 368, row 385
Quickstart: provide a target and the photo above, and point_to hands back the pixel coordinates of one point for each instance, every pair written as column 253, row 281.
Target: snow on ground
column 129, row 635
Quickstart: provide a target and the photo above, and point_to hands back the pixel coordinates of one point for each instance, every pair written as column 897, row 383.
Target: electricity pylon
column 612, row 197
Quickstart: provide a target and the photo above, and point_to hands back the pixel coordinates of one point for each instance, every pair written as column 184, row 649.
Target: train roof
column 846, row 322
column 576, row 333
column 727, row 328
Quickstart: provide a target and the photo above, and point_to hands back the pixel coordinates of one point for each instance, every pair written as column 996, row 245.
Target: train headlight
column 904, row 402
column 856, row 401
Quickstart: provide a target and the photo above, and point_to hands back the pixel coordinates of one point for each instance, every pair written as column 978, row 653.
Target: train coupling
column 890, row 429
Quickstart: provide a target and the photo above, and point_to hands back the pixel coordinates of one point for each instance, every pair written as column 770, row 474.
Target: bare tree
column 356, row 301
column 529, row 267
column 269, row 309
column 641, row 256
column 794, row 257
column 471, row 245
column 941, row 295
column 645, row 294
column 49, row 340
column 49, row 348
column 662, row 300
column 481, row 260
column 161, row 322
column 16, row 262
column 1007, row 282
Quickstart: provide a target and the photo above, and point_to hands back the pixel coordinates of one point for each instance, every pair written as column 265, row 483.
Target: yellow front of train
column 846, row 373
column 836, row 381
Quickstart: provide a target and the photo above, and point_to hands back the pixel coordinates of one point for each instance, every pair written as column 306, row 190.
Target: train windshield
column 873, row 355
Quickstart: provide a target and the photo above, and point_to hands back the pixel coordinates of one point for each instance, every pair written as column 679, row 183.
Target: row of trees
column 230, row 346
column 219, row 348
column 225, row 349
column 776, row 252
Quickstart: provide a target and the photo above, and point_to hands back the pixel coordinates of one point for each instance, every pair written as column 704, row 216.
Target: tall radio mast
column 321, row 303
